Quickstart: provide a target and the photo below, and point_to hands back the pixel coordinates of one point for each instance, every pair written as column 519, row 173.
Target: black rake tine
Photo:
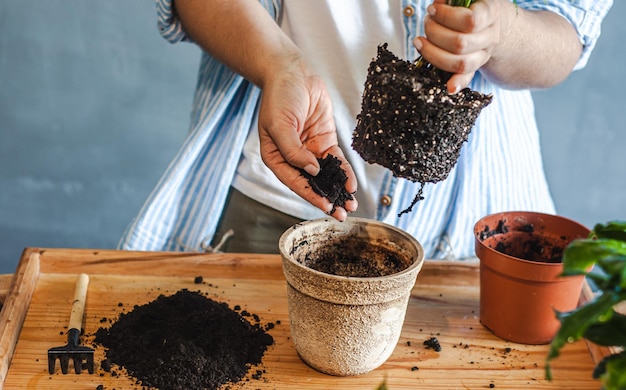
column 65, row 363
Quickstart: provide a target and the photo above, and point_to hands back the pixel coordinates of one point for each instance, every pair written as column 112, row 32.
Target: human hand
column 296, row 126
column 460, row 40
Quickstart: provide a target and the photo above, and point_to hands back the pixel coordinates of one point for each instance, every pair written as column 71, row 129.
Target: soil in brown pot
column 524, row 243
column 409, row 123
column 185, row 341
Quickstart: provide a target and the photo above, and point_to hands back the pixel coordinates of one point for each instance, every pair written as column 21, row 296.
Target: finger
column 459, row 81
column 451, row 62
column 339, row 214
column 290, row 148
column 457, row 42
column 466, row 20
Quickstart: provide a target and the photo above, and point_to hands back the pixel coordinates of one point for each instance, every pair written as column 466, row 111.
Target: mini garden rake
column 80, row 355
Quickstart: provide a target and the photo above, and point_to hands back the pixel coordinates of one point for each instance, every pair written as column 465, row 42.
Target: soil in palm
column 330, row 182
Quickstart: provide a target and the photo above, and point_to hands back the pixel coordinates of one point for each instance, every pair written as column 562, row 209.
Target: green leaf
column 383, row 385
column 616, row 268
column 578, row 256
column 608, row 254
column 597, row 321
column 609, row 333
column 600, row 279
column 615, row 230
column 612, row 372
column 576, row 322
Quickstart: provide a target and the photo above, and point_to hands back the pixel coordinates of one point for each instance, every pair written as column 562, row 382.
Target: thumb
column 459, row 81
column 292, row 150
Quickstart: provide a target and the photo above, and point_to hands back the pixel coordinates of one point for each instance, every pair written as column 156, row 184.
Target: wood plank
column 5, row 284
column 15, row 307
column 444, row 304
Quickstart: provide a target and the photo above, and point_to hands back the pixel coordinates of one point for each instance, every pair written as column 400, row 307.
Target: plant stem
column 457, row 3
column 460, row 3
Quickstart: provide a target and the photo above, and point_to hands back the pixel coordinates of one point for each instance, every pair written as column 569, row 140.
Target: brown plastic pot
column 520, row 274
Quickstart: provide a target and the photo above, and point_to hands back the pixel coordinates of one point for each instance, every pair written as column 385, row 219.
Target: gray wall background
column 94, row 104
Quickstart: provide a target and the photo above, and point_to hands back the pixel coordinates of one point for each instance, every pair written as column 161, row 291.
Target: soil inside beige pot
column 355, row 258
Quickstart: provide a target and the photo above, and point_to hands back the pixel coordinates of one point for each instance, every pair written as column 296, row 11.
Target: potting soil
column 409, row 123
column 524, row 243
column 185, row 341
column 330, row 182
column 355, row 258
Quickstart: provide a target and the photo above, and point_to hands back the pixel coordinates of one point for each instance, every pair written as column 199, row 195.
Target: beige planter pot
column 346, row 325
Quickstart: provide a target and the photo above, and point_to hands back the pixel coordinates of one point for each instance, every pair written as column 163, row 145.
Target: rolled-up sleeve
column 585, row 15
column 171, row 27
column 168, row 23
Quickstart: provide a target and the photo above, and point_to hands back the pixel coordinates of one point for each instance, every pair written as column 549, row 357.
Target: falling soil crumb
column 433, row 343
column 414, row 368
column 185, row 341
column 198, row 280
column 330, row 182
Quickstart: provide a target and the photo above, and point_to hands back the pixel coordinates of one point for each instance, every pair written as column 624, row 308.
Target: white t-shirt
column 342, row 63
column 499, row 169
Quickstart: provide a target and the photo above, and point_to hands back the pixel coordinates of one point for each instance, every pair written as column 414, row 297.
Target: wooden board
column 444, row 303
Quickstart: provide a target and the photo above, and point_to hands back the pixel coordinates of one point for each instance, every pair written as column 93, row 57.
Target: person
column 280, row 85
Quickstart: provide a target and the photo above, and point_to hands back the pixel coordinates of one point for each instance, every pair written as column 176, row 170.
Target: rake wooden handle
column 78, row 305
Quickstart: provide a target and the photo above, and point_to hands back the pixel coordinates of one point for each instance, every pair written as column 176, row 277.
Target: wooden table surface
column 444, row 303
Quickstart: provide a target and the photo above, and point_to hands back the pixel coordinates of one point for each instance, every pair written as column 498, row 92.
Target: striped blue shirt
column 499, row 168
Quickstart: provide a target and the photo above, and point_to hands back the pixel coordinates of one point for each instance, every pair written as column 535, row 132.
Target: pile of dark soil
column 355, row 258
column 409, row 123
column 330, row 182
column 184, row 341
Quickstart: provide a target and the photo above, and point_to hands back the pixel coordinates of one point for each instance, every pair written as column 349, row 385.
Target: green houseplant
column 598, row 321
